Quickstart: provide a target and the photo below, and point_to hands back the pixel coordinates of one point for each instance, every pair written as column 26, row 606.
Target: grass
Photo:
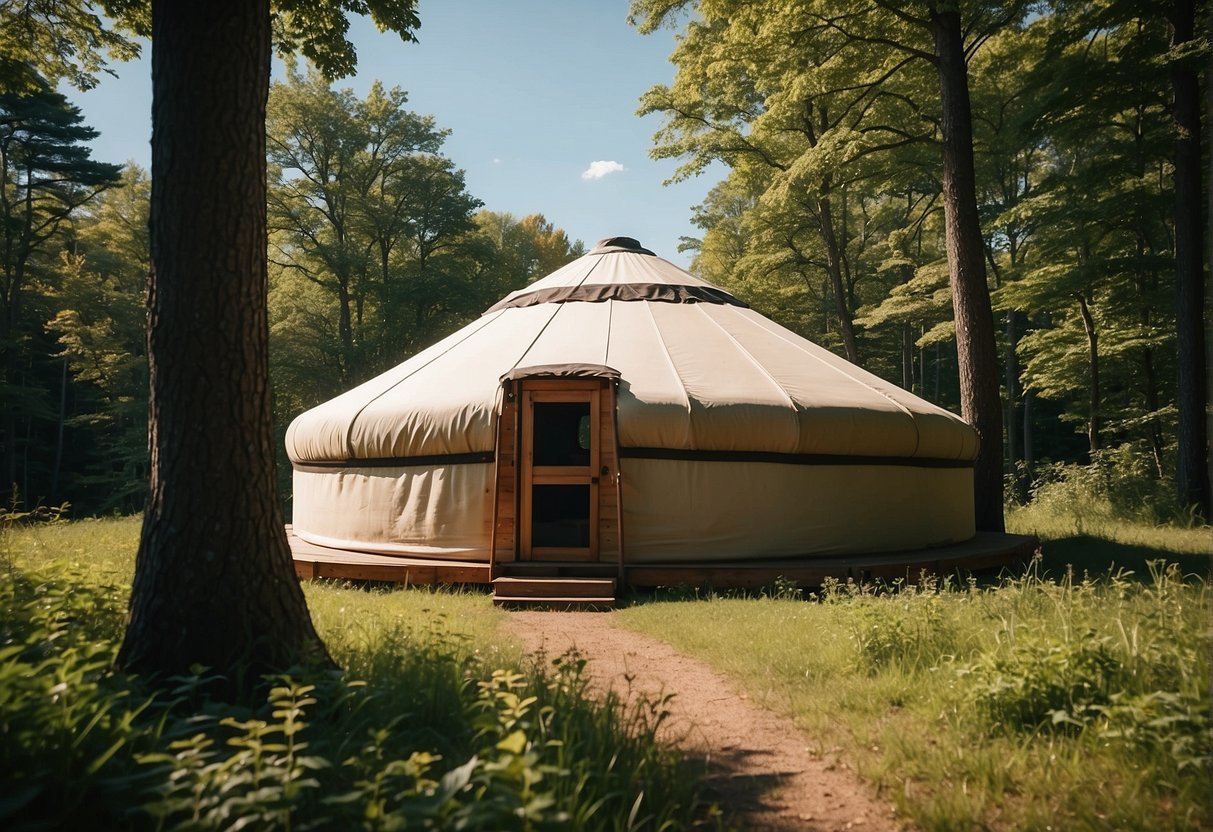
column 1075, row 696
column 1108, row 543
column 1043, row 703
column 435, row 723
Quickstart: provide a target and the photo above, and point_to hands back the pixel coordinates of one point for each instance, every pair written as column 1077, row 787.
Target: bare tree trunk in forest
column 1029, row 454
column 59, row 432
column 1012, row 385
column 1150, row 380
column 1093, row 400
column 834, row 266
column 345, row 328
column 214, row 584
column 977, row 352
column 1192, row 472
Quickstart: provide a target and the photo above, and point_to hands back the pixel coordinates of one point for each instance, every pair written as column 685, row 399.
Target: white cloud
column 599, row 169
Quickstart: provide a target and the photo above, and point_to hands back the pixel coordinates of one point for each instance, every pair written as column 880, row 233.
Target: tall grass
column 1116, row 499
column 434, row 724
column 1031, row 704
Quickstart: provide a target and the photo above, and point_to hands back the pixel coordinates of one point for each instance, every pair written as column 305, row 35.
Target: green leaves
column 437, row 737
column 317, row 30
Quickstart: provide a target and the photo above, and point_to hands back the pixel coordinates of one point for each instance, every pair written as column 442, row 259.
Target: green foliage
column 1040, row 682
column 429, row 728
column 100, row 324
column 1115, row 664
column 906, row 626
column 1024, row 703
column 46, row 177
column 1118, row 485
column 827, row 118
column 317, row 30
column 376, row 249
column 63, row 40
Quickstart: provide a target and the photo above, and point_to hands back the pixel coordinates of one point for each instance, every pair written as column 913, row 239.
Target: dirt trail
column 763, row 771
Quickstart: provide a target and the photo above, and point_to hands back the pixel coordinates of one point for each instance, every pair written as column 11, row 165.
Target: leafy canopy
column 72, row 40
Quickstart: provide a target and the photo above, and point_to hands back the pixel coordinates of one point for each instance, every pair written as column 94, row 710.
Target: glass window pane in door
column 561, row 434
column 560, row 516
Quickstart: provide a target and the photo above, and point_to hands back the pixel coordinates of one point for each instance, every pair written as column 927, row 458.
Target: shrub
column 433, row 738
column 1040, row 681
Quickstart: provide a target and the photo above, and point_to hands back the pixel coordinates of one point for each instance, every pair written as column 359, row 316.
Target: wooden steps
column 554, row 590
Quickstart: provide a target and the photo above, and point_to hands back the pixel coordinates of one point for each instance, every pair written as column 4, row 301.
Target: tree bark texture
column 1192, row 471
column 214, row 583
column 977, row 354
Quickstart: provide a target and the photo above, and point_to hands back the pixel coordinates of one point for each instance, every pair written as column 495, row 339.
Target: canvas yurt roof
column 698, row 370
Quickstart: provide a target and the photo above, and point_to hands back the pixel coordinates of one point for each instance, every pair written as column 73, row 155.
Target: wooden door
column 561, row 459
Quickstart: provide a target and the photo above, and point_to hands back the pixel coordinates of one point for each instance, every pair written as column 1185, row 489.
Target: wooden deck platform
column 312, row 561
column 985, row 552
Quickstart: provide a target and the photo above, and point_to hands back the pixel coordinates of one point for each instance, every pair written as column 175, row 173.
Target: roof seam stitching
column 606, row 351
column 535, row 340
column 753, row 360
column 673, row 367
column 544, row 328
column 349, row 431
column 909, row 413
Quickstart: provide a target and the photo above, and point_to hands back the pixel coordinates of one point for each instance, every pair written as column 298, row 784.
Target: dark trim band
column 791, row 459
column 648, row 453
column 324, row 466
column 600, row 292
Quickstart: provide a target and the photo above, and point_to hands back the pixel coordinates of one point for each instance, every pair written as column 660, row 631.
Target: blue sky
column 535, row 93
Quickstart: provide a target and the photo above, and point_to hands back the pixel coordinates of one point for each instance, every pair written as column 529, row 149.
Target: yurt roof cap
column 621, row 269
column 612, row 244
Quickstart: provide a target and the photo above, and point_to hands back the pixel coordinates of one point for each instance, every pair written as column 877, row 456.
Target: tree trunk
column 214, row 584
column 1093, row 400
column 977, row 353
column 1029, row 453
column 834, row 266
column 1150, row 380
column 1012, row 386
column 1191, row 472
column 59, row 432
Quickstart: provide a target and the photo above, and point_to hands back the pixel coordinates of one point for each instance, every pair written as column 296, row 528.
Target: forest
column 830, row 219
column 376, row 249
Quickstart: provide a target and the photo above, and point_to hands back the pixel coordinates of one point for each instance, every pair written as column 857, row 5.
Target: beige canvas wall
column 674, row 510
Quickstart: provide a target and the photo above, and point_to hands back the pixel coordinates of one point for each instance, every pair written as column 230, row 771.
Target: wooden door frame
column 570, row 391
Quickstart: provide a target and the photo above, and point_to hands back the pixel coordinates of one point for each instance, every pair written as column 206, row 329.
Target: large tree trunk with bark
column 1192, row 472
column 977, row 354
column 214, row 584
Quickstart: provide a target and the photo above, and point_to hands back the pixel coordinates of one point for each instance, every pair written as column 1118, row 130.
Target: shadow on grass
column 1097, row 557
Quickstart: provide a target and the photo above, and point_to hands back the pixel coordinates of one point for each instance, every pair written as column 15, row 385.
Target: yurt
column 621, row 411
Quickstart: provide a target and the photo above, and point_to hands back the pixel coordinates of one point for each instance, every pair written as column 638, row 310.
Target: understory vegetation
column 1067, row 697
column 433, row 724
column 1053, row 699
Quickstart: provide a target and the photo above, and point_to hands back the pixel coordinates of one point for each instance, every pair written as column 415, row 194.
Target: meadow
column 1072, row 695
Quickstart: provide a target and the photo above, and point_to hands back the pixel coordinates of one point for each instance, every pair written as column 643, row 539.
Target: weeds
column 429, row 728
column 1076, row 702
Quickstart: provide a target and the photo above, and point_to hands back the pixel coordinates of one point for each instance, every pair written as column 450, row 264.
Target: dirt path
column 763, row 772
